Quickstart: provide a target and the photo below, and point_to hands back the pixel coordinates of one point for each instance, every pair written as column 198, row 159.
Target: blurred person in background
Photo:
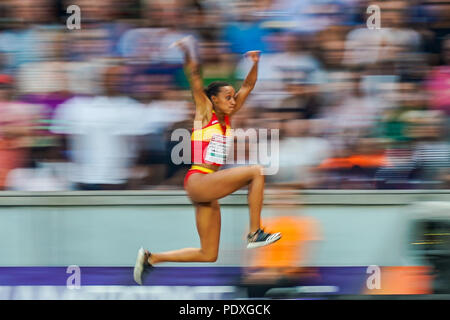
column 206, row 18
column 204, row 182
column 300, row 71
column 149, row 43
column 353, row 114
column 395, row 127
column 171, row 17
column 420, row 124
column 438, row 83
column 101, row 29
column 83, row 73
column 102, row 133
column 93, row 46
column 308, row 16
column 43, row 171
column 46, row 83
column 387, row 44
column 302, row 76
column 17, row 123
column 291, row 61
column 431, row 152
column 244, row 32
column 329, row 48
column 165, row 107
column 348, row 124
column 286, row 263
column 218, row 60
column 301, row 151
column 356, row 167
column 31, row 28
column 388, row 55
column 437, row 14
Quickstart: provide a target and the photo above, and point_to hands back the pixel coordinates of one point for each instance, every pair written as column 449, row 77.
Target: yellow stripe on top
column 205, row 134
column 202, row 169
column 201, row 139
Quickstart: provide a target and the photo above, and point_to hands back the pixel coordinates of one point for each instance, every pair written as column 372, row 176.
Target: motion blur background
column 356, row 108
column 94, row 109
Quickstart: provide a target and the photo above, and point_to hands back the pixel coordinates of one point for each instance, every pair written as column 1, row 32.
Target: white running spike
column 271, row 239
column 139, row 266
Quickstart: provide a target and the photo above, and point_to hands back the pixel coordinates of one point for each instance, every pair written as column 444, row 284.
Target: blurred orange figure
column 287, row 259
column 297, row 232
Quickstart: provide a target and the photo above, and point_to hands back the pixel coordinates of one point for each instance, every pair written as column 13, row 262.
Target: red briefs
column 195, row 169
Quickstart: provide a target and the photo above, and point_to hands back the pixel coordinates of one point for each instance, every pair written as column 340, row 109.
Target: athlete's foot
column 142, row 262
column 150, row 259
column 260, row 238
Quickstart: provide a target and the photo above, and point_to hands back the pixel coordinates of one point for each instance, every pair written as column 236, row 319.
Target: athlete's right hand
column 183, row 43
column 253, row 55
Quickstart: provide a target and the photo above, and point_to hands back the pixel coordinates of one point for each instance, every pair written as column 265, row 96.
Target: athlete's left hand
column 253, row 55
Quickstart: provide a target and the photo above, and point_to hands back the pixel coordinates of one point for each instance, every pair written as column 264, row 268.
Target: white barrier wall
column 358, row 228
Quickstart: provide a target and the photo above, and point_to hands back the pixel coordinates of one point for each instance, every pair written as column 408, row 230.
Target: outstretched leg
column 213, row 186
column 208, row 227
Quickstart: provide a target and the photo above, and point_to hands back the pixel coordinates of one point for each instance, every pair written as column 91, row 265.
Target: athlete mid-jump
column 204, row 182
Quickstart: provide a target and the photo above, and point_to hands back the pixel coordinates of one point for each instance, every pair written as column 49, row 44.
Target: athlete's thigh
column 213, row 186
column 208, row 225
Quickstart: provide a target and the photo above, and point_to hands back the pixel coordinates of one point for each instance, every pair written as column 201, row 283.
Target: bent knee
column 257, row 170
column 198, row 197
column 210, row 257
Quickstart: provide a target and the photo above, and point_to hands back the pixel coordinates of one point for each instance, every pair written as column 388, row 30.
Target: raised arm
column 192, row 71
column 249, row 82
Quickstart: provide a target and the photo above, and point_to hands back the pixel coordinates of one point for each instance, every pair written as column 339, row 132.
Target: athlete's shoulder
column 204, row 116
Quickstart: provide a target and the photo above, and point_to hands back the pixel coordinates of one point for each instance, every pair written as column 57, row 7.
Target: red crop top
column 210, row 144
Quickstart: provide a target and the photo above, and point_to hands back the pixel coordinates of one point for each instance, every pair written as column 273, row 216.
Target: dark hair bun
column 214, row 88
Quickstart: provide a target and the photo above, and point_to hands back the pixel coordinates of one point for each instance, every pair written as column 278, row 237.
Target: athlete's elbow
column 248, row 86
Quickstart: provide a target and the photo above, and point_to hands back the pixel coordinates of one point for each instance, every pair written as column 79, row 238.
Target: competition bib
column 217, row 150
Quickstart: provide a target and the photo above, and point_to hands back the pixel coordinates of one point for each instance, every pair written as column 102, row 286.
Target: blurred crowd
column 94, row 108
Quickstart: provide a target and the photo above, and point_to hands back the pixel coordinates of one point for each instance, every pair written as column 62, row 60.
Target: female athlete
column 204, row 183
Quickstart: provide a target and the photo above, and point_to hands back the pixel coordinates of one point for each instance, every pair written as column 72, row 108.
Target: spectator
column 164, row 108
column 301, row 150
column 245, row 32
column 42, row 173
column 385, row 45
column 17, row 122
column 294, row 63
column 30, row 35
column 439, row 81
column 100, row 32
column 102, row 132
